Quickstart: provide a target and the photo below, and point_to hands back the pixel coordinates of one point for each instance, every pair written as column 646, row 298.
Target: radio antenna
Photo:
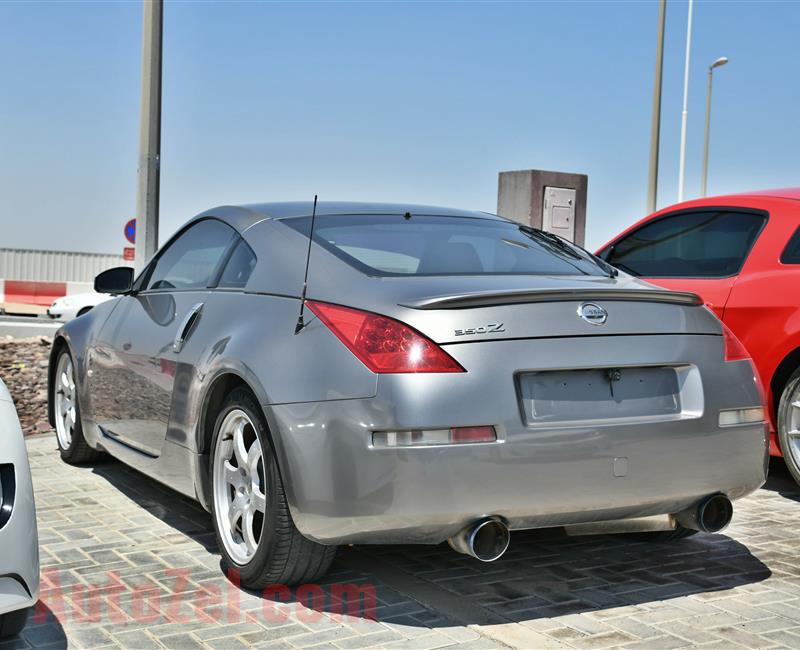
column 300, row 322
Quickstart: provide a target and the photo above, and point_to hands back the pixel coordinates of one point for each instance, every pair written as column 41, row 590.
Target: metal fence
column 54, row 266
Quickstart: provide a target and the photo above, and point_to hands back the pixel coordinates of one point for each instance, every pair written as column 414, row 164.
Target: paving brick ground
column 127, row 562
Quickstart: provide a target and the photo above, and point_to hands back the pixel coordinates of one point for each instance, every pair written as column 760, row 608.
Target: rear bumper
column 19, row 548
column 342, row 490
column 15, row 594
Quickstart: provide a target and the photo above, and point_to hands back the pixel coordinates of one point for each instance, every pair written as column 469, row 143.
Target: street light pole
column 655, row 123
column 704, row 182
column 147, row 196
column 685, row 112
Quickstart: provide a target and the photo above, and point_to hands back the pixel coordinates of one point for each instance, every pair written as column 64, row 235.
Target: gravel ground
column 23, row 368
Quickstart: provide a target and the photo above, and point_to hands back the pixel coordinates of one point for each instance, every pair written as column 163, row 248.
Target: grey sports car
column 446, row 375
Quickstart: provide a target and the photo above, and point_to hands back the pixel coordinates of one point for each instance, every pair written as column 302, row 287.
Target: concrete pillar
column 552, row 201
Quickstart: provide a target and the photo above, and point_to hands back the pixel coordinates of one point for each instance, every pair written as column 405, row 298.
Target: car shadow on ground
column 781, row 481
column 42, row 629
column 545, row 573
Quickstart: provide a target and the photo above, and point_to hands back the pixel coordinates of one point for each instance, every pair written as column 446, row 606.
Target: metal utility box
column 552, row 201
column 558, row 214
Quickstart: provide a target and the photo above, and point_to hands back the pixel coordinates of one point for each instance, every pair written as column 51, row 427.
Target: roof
column 303, row 209
column 783, row 193
column 242, row 217
column 786, row 194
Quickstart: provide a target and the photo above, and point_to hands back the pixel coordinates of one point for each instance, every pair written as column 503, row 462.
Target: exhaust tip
column 712, row 514
column 486, row 540
column 715, row 513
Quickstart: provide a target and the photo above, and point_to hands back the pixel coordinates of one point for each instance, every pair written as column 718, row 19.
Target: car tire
column 789, row 422
column 69, row 431
column 12, row 623
column 657, row 536
column 82, row 311
column 281, row 554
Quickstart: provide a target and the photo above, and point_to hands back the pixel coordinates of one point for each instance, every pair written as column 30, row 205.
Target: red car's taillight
column 383, row 344
column 734, row 350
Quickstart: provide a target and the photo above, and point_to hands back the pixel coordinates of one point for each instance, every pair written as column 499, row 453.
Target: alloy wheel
column 238, row 486
column 66, row 407
column 791, row 426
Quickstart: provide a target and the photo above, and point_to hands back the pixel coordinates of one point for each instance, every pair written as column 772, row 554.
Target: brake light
column 734, row 350
column 383, row 344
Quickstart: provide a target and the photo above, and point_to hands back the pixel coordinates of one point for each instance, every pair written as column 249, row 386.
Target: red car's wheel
column 789, row 425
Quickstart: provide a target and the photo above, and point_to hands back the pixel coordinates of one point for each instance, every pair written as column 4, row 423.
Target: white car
column 70, row 307
column 19, row 540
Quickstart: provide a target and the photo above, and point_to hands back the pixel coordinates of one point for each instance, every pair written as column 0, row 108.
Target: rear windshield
column 392, row 245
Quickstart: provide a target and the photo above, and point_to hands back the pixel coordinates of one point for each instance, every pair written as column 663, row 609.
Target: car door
column 700, row 250
column 133, row 362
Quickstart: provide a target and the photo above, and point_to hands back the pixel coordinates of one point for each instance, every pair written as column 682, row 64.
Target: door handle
column 186, row 327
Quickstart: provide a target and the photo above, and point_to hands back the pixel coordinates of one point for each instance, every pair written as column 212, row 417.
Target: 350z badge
column 484, row 329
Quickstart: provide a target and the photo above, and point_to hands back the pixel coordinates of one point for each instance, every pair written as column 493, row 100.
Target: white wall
column 54, row 266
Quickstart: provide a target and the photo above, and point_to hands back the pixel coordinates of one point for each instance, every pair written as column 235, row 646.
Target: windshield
column 394, row 245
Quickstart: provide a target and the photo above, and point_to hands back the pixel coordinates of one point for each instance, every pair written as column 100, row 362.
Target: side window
column 791, row 254
column 190, row 260
column 702, row 244
column 239, row 267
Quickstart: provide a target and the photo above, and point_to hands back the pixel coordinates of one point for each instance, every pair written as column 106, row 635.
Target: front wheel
column 789, row 425
column 69, row 431
column 254, row 527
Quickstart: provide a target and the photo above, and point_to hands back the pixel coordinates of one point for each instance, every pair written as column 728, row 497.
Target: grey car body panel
column 322, row 404
column 19, row 539
column 532, row 477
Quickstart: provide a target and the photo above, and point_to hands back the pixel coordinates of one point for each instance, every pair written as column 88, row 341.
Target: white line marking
column 15, row 324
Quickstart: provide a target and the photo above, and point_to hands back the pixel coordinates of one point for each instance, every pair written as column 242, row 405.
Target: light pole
column 147, row 196
column 720, row 61
column 655, row 124
column 685, row 112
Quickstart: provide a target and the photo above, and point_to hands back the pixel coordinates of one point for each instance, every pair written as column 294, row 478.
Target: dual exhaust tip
column 488, row 538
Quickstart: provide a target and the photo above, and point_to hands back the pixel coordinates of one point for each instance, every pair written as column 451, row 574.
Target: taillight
column 734, row 350
column 383, row 344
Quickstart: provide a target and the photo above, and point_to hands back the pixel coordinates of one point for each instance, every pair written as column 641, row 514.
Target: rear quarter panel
column 764, row 307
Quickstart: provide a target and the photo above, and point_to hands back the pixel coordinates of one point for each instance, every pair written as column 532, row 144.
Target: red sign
column 130, row 231
column 129, row 253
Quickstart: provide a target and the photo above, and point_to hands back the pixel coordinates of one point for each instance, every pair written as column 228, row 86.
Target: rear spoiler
column 514, row 297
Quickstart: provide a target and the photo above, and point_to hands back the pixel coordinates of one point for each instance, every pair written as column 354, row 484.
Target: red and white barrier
column 42, row 294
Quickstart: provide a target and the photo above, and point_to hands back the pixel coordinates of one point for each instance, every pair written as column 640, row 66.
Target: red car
column 741, row 253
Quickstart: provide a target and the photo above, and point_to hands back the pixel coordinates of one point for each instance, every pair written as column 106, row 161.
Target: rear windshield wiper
column 572, row 250
column 551, row 240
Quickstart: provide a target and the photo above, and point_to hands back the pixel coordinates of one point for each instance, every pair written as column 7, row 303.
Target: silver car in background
column 452, row 376
column 19, row 540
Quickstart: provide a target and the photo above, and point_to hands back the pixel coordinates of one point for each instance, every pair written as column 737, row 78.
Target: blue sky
column 417, row 102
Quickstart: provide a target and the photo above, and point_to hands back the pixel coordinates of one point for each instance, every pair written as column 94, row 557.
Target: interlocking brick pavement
column 127, row 562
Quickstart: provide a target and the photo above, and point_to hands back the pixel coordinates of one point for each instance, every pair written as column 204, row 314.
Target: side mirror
column 115, row 281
